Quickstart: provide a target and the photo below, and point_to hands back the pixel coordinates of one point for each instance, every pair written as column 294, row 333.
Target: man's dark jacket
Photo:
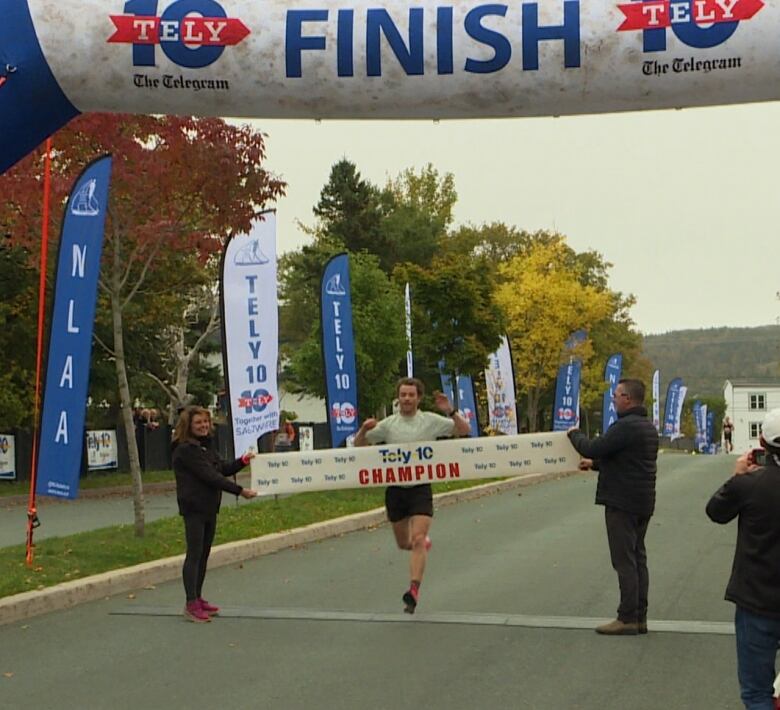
column 625, row 456
column 200, row 477
column 755, row 574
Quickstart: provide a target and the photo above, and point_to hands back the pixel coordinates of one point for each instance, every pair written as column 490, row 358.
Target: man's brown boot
column 618, row 628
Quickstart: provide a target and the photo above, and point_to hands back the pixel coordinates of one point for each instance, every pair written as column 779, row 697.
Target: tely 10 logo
column 191, row 33
column 696, row 23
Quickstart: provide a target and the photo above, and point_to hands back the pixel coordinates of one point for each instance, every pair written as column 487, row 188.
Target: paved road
column 514, row 585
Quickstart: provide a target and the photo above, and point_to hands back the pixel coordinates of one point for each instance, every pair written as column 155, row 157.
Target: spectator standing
column 752, row 496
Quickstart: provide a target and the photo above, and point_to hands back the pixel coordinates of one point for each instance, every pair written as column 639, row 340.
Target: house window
column 755, row 430
column 757, row 402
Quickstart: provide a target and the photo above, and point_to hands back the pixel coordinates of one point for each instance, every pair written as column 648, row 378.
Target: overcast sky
column 684, row 204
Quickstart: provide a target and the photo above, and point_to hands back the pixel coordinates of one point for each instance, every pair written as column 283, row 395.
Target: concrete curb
column 68, row 594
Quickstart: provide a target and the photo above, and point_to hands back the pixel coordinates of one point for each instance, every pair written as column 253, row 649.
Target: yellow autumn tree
column 545, row 301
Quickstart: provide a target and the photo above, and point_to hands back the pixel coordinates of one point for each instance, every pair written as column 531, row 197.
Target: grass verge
column 63, row 559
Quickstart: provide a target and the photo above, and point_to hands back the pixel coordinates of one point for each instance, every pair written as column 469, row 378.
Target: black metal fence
column 154, row 447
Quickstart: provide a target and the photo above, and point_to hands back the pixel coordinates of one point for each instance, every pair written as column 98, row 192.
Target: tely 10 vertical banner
column 500, row 384
column 566, row 412
column 338, row 350
column 250, row 332
column 70, row 340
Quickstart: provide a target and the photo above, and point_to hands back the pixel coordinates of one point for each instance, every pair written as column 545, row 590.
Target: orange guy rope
column 32, row 512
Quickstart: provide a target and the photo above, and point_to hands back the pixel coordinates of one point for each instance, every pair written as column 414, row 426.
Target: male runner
column 410, row 508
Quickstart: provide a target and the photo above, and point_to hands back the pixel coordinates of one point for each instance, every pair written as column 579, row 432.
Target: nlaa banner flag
column 612, row 371
column 70, row 340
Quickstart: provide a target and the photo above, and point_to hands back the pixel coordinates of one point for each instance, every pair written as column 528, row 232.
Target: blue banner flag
column 657, row 400
column 70, row 340
column 567, row 396
column 338, row 350
column 699, row 439
column 703, row 414
column 670, row 406
column 612, row 372
column 681, row 392
column 710, row 428
column 466, row 401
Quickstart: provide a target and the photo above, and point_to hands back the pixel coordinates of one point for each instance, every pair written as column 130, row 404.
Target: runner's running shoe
column 410, row 600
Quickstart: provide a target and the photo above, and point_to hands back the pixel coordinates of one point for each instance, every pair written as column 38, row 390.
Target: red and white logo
column 192, row 31
column 660, row 14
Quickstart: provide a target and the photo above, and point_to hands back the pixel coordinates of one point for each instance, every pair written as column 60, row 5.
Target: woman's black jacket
column 200, row 477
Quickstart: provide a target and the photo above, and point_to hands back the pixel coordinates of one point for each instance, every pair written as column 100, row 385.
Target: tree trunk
column 533, row 407
column 124, row 398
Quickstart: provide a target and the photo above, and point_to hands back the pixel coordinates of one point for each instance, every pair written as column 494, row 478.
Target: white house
column 747, row 402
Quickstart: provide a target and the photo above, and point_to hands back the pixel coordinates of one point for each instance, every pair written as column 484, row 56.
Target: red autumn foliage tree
column 179, row 186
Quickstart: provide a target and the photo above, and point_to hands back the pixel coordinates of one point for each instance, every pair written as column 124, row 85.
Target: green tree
column 496, row 242
column 544, row 300
column 349, row 210
column 455, row 317
column 377, row 323
column 418, row 211
column 18, row 297
column 614, row 333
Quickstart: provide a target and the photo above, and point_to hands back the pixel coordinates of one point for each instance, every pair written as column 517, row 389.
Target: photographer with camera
column 752, row 494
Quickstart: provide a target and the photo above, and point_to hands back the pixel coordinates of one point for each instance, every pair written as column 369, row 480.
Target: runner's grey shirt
column 422, row 426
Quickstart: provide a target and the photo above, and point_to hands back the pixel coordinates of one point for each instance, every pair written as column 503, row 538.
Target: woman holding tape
column 201, row 476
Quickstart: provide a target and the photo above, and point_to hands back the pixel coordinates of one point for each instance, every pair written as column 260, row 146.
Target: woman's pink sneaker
column 208, row 608
column 194, row 612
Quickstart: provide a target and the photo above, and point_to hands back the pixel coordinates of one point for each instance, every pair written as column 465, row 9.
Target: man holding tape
column 410, row 508
column 625, row 456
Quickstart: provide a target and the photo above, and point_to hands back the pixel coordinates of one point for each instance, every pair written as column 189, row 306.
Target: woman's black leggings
column 199, row 533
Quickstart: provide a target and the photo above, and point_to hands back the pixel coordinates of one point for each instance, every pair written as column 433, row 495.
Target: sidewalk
column 94, row 508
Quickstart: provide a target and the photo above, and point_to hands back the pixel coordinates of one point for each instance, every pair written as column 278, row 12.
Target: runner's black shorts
column 404, row 501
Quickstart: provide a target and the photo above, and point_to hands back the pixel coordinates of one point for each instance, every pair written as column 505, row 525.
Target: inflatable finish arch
column 413, row 59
